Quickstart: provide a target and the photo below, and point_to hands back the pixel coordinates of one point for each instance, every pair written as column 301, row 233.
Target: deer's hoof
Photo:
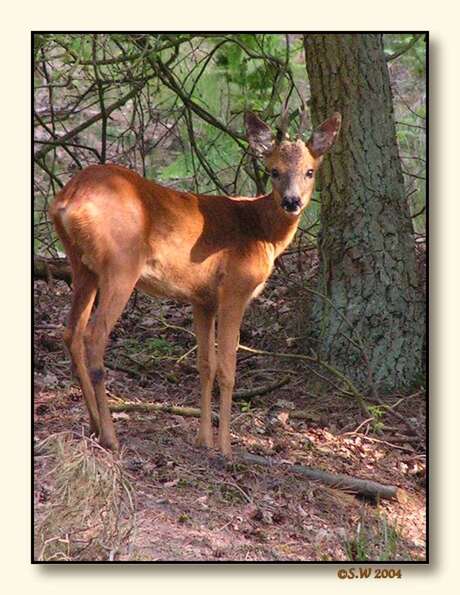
column 226, row 449
column 205, row 440
column 109, row 442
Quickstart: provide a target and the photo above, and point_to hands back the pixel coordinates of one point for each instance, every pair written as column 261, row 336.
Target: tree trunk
column 370, row 323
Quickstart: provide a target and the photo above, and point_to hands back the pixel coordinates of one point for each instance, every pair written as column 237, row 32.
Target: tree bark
column 369, row 318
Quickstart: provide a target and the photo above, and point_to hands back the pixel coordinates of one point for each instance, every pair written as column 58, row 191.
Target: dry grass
column 88, row 510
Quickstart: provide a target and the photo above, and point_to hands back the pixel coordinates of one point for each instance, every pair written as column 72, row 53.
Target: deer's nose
column 291, row 203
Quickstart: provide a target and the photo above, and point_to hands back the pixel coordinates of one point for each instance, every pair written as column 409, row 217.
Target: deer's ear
column 324, row 136
column 259, row 135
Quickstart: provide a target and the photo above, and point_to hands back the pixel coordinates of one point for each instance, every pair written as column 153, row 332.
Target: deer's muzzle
column 292, row 204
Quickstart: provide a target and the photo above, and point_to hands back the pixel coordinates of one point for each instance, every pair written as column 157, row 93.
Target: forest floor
column 188, row 504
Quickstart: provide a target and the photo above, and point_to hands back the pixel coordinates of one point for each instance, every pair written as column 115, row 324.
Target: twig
column 411, row 175
column 410, row 125
column 87, row 123
column 241, row 491
column 405, row 48
column 422, row 210
column 355, row 431
column 260, row 390
column 121, row 405
column 387, row 443
column 186, row 354
column 354, row 391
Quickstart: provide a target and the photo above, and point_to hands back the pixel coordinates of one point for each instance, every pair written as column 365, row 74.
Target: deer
column 122, row 232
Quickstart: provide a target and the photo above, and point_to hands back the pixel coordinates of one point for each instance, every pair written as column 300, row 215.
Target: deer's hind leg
column 84, row 293
column 115, row 287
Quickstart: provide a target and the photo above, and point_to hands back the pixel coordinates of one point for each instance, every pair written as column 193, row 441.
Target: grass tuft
column 374, row 539
column 89, row 509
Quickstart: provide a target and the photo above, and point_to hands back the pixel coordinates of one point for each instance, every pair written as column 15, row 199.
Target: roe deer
column 121, row 231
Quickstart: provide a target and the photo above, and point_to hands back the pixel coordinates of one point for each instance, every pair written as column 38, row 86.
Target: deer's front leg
column 204, row 321
column 231, row 310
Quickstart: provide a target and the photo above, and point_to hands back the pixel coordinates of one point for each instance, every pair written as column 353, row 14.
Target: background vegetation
column 171, row 107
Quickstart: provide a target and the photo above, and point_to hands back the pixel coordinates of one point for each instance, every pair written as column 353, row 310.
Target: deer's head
column 292, row 165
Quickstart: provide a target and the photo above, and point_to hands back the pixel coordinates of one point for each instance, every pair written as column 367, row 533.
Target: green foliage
column 159, row 346
column 245, row 406
column 412, row 50
column 180, row 168
column 377, row 413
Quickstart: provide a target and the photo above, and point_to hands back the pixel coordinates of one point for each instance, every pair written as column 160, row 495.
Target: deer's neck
column 277, row 227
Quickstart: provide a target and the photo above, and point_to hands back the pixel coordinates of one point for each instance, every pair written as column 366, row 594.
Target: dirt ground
column 190, row 505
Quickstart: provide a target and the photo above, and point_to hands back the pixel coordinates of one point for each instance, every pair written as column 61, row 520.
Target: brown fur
column 122, row 231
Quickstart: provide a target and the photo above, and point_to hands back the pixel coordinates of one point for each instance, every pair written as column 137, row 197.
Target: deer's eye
column 275, row 173
column 309, row 173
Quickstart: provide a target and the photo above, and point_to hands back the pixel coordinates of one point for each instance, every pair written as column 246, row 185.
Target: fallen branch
column 260, row 390
column 120, row 405
column 151, row 407
column 52, row 268
column 363, row 487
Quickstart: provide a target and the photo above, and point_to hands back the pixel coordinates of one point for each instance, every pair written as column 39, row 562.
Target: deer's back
column 183, row 244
